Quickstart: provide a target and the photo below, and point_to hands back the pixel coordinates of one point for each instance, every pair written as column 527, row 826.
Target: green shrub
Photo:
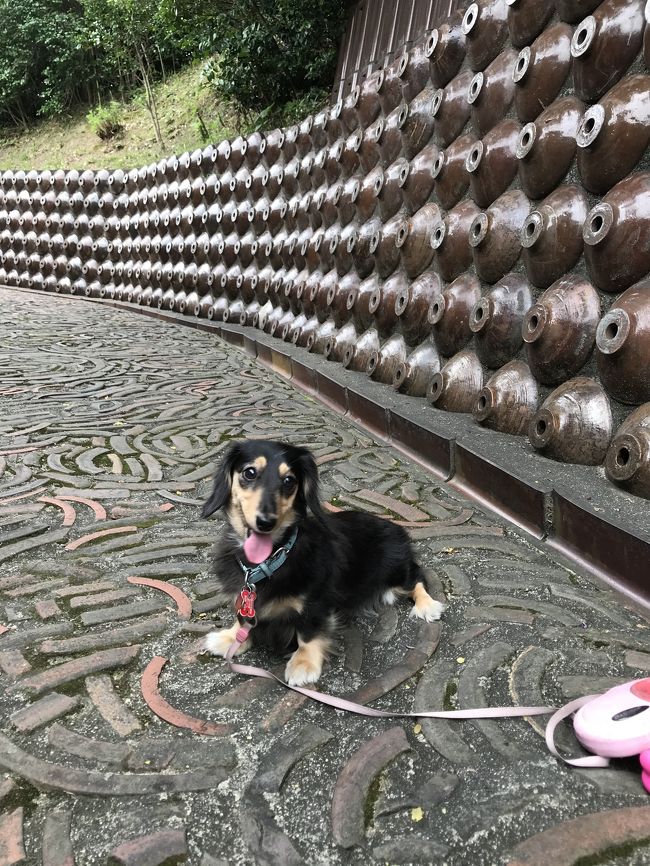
column 105, row 120
column 272, row 52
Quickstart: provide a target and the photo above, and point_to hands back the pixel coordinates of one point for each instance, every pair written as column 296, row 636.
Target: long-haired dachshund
column 295, row 570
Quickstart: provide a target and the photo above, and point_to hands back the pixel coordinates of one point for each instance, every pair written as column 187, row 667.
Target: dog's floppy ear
column 308, row 493
column 222, row 481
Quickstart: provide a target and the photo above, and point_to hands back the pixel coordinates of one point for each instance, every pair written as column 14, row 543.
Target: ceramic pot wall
column 453, row 227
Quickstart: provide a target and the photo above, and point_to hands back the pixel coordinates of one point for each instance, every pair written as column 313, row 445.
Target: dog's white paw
column 302, row 670
column 217, row 643
column 430, row 610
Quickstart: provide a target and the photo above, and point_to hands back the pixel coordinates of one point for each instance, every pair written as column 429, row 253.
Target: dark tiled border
column 497, row 470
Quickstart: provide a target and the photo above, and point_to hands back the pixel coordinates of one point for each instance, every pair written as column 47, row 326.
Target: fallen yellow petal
column 417, row 814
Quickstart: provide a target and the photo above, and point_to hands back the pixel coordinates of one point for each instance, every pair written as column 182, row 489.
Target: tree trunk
column 151, row 100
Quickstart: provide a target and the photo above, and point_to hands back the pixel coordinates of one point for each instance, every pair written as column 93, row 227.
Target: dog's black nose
column 265, row 524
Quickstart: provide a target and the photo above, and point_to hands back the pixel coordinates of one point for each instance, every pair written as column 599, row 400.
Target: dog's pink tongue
column 258, row 547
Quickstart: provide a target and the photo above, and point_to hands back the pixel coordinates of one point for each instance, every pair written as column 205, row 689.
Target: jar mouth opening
column 590, row 126
column 470, row 18
column 583, row 36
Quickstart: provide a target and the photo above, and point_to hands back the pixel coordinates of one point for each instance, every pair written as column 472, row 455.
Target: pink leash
column 483, row 713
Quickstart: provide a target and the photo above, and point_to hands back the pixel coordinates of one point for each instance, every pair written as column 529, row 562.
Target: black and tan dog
column 294, row 569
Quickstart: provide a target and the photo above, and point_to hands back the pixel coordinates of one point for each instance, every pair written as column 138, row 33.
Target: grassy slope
column 69, row 142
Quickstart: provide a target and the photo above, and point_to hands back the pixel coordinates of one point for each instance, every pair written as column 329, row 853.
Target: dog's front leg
column 306, row 663
column 219, row 642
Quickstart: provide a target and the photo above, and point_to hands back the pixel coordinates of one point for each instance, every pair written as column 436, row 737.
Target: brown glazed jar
column 623, row 346
column 551, row 236
column 491, row 92
column 452, row 253
column 255, row 147
column 344, row 248
column 574, row 11
column 391, row 196
column 451, row 178
column 382, row 365
column 527, row 19
column 617, row 235
column 390, row 85
column 329, row 209
column 332, row 162
column 412, row 376
column 560, row 329
column 541, row 70
column 414, row 71
column 369, row 153
column 317, row 341
column 450, row 313
column 304, row 141
column 509, row 399
column 614, row 134
column 368, row 104
column 445, row 48
column 418, row 127
column 485, row 25
column 357, row 357
column 496, row 320
column 494, row 236
column 418, row 185
column 627, row 463
column 451, row 109
column 382, row 303
column 340, row 342
column 349, row 115
column 368, row 198
column 415, row 239
column 604, row 45
column 238, row 148
column 275, row 181
column 365, row 248
column 413, row 303
column 546, row 147
column 390, row 140
column 492, row 163
column 574, row 423
column 457, row 386
column 393, row 237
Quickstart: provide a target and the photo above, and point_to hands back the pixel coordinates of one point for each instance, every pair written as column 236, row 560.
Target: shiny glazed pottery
column 614, row 134
column 509, row 399
column 496, row 320
column 617, row 235
column 623, row 346
column 457, row 386
column 551, row 236
column 574, row 423
column 413, row 375
column 627, row 463
column 450, row 314
column 560, row 329
column 494, row 235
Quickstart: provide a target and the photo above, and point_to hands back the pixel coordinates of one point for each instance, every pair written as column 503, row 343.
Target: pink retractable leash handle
column 595, row 722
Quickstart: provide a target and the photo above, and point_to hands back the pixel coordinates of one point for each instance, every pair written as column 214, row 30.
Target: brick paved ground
column 119, row 745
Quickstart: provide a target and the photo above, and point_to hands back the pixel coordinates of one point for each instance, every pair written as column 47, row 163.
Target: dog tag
column 246, row 605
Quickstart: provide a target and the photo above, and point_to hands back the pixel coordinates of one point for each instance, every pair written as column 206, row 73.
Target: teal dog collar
column 270, row 565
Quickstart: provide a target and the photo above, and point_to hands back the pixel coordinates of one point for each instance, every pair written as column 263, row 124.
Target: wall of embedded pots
column 470, row 226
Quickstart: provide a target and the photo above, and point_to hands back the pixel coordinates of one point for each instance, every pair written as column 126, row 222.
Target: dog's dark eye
column 250, row 473
column 288, row 484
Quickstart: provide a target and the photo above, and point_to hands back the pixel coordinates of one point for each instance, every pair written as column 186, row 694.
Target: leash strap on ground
column 481, row 713
column 361, row 710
